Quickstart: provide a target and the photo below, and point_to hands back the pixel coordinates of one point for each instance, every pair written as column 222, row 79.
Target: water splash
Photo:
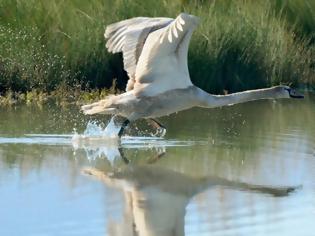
column 95, row 130
column 99, row 142
column 111, row 153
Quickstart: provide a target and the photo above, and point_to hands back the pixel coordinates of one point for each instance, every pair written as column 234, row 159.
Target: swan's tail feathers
column 101, row 107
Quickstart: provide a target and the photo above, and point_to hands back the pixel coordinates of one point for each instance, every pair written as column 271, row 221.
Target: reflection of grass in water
column 240, row 133
column 239, row 45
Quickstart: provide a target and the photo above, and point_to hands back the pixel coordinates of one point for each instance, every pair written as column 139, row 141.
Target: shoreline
column 72, row 96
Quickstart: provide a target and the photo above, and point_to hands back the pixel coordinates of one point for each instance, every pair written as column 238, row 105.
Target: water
column 223, row 171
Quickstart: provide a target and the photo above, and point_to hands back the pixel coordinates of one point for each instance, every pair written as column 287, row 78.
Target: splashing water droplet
column 95, row 132
column 97, row 141
column 111, row 129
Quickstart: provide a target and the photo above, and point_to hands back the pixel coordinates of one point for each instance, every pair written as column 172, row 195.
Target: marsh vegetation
column 262, row 143
column 58, row 45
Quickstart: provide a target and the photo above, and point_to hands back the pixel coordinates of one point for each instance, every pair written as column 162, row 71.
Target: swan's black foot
column 123, row 126
column 160, row 129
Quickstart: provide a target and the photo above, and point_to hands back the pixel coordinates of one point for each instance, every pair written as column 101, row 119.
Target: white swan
column 155, row 58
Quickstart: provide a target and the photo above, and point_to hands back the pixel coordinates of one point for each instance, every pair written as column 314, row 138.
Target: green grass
column 243, row 46
column 50, row 44
column 300, row 16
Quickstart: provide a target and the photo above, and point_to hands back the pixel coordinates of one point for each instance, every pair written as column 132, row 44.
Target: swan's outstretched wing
column 128, row 37
column 162, row 65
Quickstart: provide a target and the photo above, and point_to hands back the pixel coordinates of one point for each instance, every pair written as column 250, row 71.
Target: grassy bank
column 62, row 96
column 48, row 45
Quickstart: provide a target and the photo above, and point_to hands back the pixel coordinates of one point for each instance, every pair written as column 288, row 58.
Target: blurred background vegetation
column 58, row 45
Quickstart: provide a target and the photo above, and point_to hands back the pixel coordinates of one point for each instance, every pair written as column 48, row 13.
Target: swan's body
column 155, row 58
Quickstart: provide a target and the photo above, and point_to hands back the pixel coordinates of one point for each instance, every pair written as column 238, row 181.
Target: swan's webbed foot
column 122, row 128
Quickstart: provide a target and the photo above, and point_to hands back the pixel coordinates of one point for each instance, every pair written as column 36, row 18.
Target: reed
column 239, row 44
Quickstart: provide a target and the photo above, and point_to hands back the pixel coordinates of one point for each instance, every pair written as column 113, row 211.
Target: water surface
column 216, row 172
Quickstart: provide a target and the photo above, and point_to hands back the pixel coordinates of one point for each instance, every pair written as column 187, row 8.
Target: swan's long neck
column 210, row 101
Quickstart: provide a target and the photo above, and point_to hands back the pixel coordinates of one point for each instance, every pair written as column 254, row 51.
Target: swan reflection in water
column 156, row 197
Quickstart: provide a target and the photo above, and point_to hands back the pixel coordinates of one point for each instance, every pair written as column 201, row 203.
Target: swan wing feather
column 162, row 65
column 128, row 36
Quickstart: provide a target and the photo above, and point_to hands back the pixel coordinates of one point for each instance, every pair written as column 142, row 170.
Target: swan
column 155, row 59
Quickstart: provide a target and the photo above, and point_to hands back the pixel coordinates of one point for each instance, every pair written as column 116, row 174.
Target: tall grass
column 300, row 16
column 239, row 44
column 244, row 45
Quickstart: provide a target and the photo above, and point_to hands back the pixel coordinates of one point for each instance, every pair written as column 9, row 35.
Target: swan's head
column 288, row 92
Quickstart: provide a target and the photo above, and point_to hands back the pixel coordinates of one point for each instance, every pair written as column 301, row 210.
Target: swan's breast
column 168, row 102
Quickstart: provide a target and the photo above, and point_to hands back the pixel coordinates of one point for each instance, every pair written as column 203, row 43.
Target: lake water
column 222, row 171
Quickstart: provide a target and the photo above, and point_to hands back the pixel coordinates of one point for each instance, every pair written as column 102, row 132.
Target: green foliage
column 239, row 45
column 62, row 96
column 299, row 14
column 242, row 45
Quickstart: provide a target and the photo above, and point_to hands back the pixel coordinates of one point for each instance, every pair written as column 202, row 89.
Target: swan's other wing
column 162, row 65
column 128, row 37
